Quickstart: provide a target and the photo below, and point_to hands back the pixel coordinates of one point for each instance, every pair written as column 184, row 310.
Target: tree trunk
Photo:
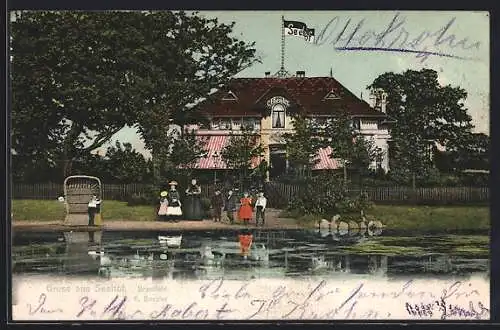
column 69, row 149
column 414, row 187
column 67, row 167
column 345, row 172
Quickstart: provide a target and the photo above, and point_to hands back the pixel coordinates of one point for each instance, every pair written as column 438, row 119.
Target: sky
column 457, row 43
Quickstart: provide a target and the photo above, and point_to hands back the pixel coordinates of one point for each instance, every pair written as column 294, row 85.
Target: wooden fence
column 280, row 194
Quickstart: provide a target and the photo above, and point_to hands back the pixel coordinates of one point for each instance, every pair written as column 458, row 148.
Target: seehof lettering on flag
column 299, row 29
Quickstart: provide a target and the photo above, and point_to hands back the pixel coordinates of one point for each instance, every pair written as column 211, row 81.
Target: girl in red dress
column 245, row 212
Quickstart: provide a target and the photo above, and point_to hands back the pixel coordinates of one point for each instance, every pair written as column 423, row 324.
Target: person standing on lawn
column 98, row 216
column 174, row 210
column 92, row 209
column 230, row 206
column 245, row 213
column 193, row 209
column 260, row 207
column 217, row 203
column 162, row 210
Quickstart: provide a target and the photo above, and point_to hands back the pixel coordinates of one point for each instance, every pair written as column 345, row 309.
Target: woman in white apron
column 174, row 211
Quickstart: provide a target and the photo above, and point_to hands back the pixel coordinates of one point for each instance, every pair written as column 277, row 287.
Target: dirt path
column 273, row 221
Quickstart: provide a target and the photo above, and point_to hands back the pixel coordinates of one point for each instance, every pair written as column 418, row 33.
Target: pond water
column 274, row 254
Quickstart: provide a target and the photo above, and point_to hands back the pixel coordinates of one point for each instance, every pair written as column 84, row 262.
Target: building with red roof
column 268, row 103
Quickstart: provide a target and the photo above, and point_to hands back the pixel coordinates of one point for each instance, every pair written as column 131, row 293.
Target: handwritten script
column 258, row 299
column 346, row 34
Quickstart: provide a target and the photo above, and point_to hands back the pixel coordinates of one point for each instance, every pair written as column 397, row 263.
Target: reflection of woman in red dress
column 245, row 208
column 245, row 239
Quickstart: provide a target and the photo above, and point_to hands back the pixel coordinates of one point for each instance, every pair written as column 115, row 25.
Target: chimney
column 300, row 74
column 378, row 99
column 267, row 73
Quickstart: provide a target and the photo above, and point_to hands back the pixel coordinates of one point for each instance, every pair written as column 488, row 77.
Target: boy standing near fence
column 260, row 208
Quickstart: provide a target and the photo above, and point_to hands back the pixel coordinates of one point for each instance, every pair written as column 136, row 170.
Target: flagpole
column 282, row 73
column 282, row 43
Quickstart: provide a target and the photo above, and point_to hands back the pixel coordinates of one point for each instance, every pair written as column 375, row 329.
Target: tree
column 127, row 165
column 347, row 144
column 80, row 77
column 302, row 146
column 338, row 133
column 187, row 150
column 473, row 154
column 426, row 113
column 364, row 153
column 242, row 148
column 120, row 164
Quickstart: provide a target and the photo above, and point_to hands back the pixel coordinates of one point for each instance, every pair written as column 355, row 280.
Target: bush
column 205, row 205
column 326, row 195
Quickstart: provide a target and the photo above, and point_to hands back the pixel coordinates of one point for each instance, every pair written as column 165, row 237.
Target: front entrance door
column 278, row 164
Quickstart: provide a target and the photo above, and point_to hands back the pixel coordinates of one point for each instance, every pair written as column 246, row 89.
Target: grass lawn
column 419, row 217
column 52, row 210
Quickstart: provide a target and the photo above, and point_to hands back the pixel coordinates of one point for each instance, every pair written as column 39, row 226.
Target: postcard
column 250, row 165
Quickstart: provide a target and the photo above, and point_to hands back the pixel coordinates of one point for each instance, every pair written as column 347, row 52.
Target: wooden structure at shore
column 78, row 191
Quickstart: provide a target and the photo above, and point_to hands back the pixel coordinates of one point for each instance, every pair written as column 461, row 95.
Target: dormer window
column 332, row 95
column 230, row 96
column 278, row 115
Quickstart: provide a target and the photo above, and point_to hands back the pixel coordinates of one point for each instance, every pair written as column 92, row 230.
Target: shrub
column 326, row 195
column 205, row 205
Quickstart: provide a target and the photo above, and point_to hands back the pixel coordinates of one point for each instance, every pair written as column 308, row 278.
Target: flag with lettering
column 298, row 29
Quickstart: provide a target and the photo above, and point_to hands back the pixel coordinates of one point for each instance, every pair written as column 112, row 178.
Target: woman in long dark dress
column 193, row 209
column 174, row 210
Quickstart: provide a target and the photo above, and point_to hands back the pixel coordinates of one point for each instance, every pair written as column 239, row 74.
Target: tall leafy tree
column 80, row 77
column 243, row 146
column 302, row 146
column 187, row 150
column 474, row 154
column 347, row 144
column 426, row 113
column 120, row 164
column 338, row 133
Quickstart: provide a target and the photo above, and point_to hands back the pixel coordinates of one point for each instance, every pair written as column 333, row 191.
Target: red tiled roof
column 307, row 93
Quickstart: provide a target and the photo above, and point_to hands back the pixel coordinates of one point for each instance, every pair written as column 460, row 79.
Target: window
column 249, row 123
column 236, row 123
column 278, row 116
column 225, row 123
column 230, row 96
column 215, row 124
column 356, row 124
column 332, row 96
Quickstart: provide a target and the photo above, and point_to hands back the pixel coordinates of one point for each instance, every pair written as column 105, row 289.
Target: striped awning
column 325, row 162
column 214, row 146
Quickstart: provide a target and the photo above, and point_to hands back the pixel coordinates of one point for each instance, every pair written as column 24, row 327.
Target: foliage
column 473, row 154
column 205, row 205
column 80, row 77
column 326, row 195
column 187, row 149
column 426, row 113
column 242, row 148
column 353, row 149
column 302, row 146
